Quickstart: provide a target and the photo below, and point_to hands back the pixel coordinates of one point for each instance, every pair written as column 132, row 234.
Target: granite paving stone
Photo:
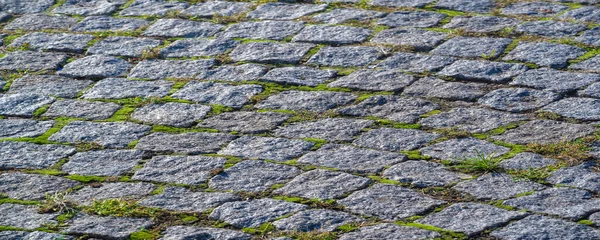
column 485, row 71
column 389, row 231
column 421, row 19
column 589, row 65
column 456, row 150
column 185, row 232
column 103, row 162
column 273, row 30
column 106, row 134
column 19, row 128
column 481, row 24
column 172, row 28
column 60, row 42
column 473, row 120
column 478, row 6
column 183, row 200
column 541, row 227
column 595, row 218
column 24, row 7
column 471, row 47
column 123, row 46
column 255, row 212
column 220, row 8
column 401, row 3
column 117, row 190
column 341, row 15
column 171, row 114
column 285, row 11
column 583, row 14
column 545, row 54
column 337, row 35
column 96, row 66
column 22, row 104
column 316, row 220
column 527, row 160
column 153, row 8
column 32, row 186
column 31, row 61
column 81, row 109
column 116, row 88
column 552, row 29
column 590, row 37
column 36, row 22
column 423, row 174
column 298, row 76
column 270, row 148
column 106, row 227
column 30, row 155
column 197, row 47
column 88, row 8
column 187, row 143
column 591, row 91
column 517, row 99
column 555, row 80
column 323, row 184
column 189, row 170
column 253, row 176
column 565, row 202
column 160, row 69
column 395, row 139
column 495, row 186
column 33, row 235
column 316, row 101
column 535, row 9
column 351, row 159
column 107, row 23
column 234, row 73
column 544, row 131
column 399, row 109
column 347, row 56
column 375, row 80
column 417, row 39
column 430, row 87
column 245, row 122
column 580, row 176
column 415, row 62
column 330, row 129
column 218, row 93
column 587, row 109
column 23, row 216
column 270, row 52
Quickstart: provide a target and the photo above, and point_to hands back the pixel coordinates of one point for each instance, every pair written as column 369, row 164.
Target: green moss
column 122, row 114
column 9, row 39
column 132, row 144
column 188, row 218
column 586, row 222
column 290, row 199
column 86, row 179
column 261, row 230
column 218, row 109
column 18, row 201
column 429, row 114
column 415, row 155
column 445, row 234
column 120, row 208
column 383, row 180
column 318, row 142
column 9, row 228
column 143, row 235
column 500, row 204
column 276, row 186
column 51, row 172
column 158, row 190
column 348, row 227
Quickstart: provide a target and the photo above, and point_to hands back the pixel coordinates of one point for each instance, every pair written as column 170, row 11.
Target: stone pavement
column 338, row 119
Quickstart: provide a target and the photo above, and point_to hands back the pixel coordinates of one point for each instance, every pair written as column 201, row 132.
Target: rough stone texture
column 486, row 71
column 33, row 235
column 323, row 184
column 590, row 65
column 298, row 76
column 270, row 52
column 87, row 7
column 544, row 54
column 341, row 15
column 32, row 186
column 183, row 200
column 590, row 37
column 587, row 109
column 332, row 34
column 190, row 232
column 591, row 91
column 253, row 176
column 479, row 6
column 544, row 131
column 19, row 128
column 316, row 220
column 160, row 69
column 390, row 231
column 401, row 3
column 565, row 202
column 430, row 87
column 406, row 110
column 583, row 14
column 473, row 120
column 220, row 8
column 518, row 99
column 31, row 61
column 420, row 19
column 316, row 101
column 330, row 129
column 189, row 170
column 393, row 139
column 22, row 104
column 218, row 93
column 540, row 227
column 481, row 24
column 172, row 28
column 414, row 62
column 495, row 186
column 103, row 162
column 115, row 88
column 36, row 22
column 106, row 23
column 29, row 155
column 423, row 174
column 96, row 66
column 152, row 8
column 278, row 149
column 414, row 38
column 536, row 9
column 527, row 160
column 23, row 216
column 106, row 227
column 235, row 73
column 375, row 80
column 389, row 202
column 60, row 42
column 106, row 134
column 595, row 218
column 186, row 143
column 351, row 159
column 552, row 29
column 253, row 213
column 245, row 122
column 471, row 218
column 24, row 7
column 472, row 47
column 580, row 176
column 554, row 80
column 117, row 190
column 458, row 149
column 197, row 47
column 274, row 30
column 52, row 85
column 123, row 46
column 285, row 11
column 350, row 56
column 171, row 114
column 82, row 109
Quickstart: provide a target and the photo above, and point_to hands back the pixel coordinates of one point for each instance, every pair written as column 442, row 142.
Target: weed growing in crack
column 479, row 163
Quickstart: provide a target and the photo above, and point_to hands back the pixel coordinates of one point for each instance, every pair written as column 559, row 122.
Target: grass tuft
column 479, row 163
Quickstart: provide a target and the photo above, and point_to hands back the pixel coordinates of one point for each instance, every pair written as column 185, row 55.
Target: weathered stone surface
column 323, row 184
column 182, row 28
column 274, row 30
column 540, row 227
column 32, row 186
column 414, row 38
column 52, row 85
column 235, row 73
column 35, row 22
column 278, row 149
column 253, row 176
column 420, row 19
column 298, row 75
column 316, row 101
column 340, row 15
column 253, row 213
column 33, row 235
column 220, row 8
column 471, row 218
column 595, row 218
column 351, row 159
column 401, row 3
column 107, row 134
column 474, row 120
column 554, row 80
column 332, row 34
column 565, row 202
column 103, row 162
column 518, row 99
column 591, row 91
column 486, row 71
column 153, row 8
column 536, row 9
column 583, row 14
column 245, row 122
column 395, row 139
column 316, row 220
column 399, row 109
column 198, row 47
column 330, row 129
column 495, row 186
column 22, row 104
column 285, row 11
column 29, row 155
column 544, row 54
column 580, row 176
column 218, row 93
column 123, row 46
column 415, row 62
column 19, row 128
column 96, row 66
column 430, row 87
column 82, row 109
column 479, row 6
column 171, row 114
column 118, row 190
column 87, row 7
column 183, row 200
column 389, row 231
column 587, row 109
column 551, row 28
column 527, row 160
column 31, row 61
column 389, row 202
column 590, row 65
column 159, row 69
column 473, row 47
column 423, row 174
column 590, row 37
column 375, row 80
column 481, row 24
column 270, row 52
column 187, row 143
column 350, row 56
column 544, row 131
column 189, row 170
column 115, row 88
column 61, row 42
column 106, row 227
column 106, row 23
column 24, row 7
column 185, row 232
column 23, row 216
column 458, row 149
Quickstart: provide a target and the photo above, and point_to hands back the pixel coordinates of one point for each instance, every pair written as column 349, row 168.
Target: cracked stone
column 551, row 28
column 82, row 109
column 375, row 80
column 220, row 8
column 172, row 28
column 123, row 46
column 235, row 73
column 253, row 176
column 423, row 174
column 96, row 66
column 540, row 227
column 554, row 80
column 51, row 85
column 421, row 40
column 591, row 91
column 580, row 176
column 158, row 8
column 473, row 120
column 23, row 216
column 479, row 6
column 171, row 114
column 187, row 143
column 106, row 227
column 299, row 75
column 22, row 104
column 87, row 7
column 458, row 149
column 401, row 3
column 544, row 132
column 536, row 9
column 496, row 186
column 583, row 14
column 198, row 47
column 191, row 232
column 395, row 139
column 544, row 54
column 29, row 155
column 61, row 42
column 486, row 71
column 430, row 87
column 285, row 11
column 590, row 65
column 341, row 15
column 518, row 99
column 471, row 47
column 278, row 149
column 255, row 212
column 587, row 109
column 316, row 101
column 32, row 61
column 527, row 160
column 234, row 96
column 390, row 231
column 332, row 34
column 352, row 159
column 107, row 134
column 32, row 186
column 116, row 190
column 105, row 23
column 33, row 235
column 183, row 200
column 481, row 24
column 245, row 122
column 103, row 162
column 117, row 88
column 590, row 37
column 21, row 128
column 330, row 129
column 189, row 170
column 270, row 52
column 348, row 56
column 36, row 22
column 24, row 7
column 565, row 202
column 160, row 69
column 316, row 220
column 421, row 19
column 323, row 184
column 399, row 109
column 415, row 62
column 274, row 30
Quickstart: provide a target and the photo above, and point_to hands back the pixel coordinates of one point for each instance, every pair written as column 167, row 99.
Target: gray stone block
column 219, row 8
column 160, row 69
column 186, row 143
column 81, row 109
column 188, row 170
column 255, row 212
column 586, row 109
column 23, row 216
column 544, row 54
column 197, row 47
column 395, row 140
column 565, row 202
column 273, row 30
column 554, row 80
column 418, row 39
column 456, row 150
column 323, row 184
column 298, row 76
column 118, row 190
column 60, row 42
column 106, row 23
column 245, row 122
column 278, row 149
column 495, row 186
column 375, row 80
column 544, row 132
column 473, row 120
column 330, row 129
column 116, row 88
column 485, row 71
column 32, row 186
column 351, row 159
column 183, row 200
column 253, row 176
column 421, row 19
column 336, row 35
column 481, row 24
column 106, row 227
column 103, row 162
column 123, row 46
column 423, row 174
column 32, row 61
column 36, row 22
column 399, row 109
column 349, row 56
column 172, row 28
column 415, row 62
column 22, row 104
column 540, row 227
column 107, row 134
column 31, row 156
column 285, row 11
column 473, row 47
column 270, row 52
column 51, row 85
column 527, row 160
column 389, row 231
column 430, row 87
column 153, row 8
column 218, row 93
column 316, row 101
column 316, row 220
column 171, row 114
